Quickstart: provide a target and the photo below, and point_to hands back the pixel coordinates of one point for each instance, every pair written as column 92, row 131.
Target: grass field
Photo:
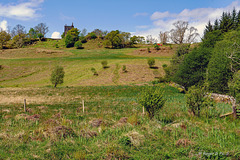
column 112, row 125
column 31, row 67
column 62, row 131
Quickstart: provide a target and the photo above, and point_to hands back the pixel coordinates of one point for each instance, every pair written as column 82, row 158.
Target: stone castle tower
column 67, row 28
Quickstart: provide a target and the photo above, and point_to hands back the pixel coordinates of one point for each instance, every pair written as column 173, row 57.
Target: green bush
column 57, row 76
column 78, row 45
column 151, row 62
column 197, row 100
column 124, row 69
column 148, row 49
column 152, row 99
column 94, row 71
column 104, row 64
column 156, row 46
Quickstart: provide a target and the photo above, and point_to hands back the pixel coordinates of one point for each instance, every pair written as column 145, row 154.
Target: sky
column 139, row 17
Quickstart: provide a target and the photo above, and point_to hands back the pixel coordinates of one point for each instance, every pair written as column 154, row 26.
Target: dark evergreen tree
column 216, row 25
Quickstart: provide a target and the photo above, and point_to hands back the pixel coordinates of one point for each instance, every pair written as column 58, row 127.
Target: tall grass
column 175, row 134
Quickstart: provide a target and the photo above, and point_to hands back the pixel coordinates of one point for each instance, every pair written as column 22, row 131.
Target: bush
column 57, row 76
column 104, row 64
column 156, row 46
column 152, row 100
column 94, row 71
column 78, row 45
column 124, row 69
column 151, row 62
column 197, row 100
column 149, row 51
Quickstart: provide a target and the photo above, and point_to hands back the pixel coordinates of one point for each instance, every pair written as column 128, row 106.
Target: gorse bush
column 151, row 62
column 152, row 99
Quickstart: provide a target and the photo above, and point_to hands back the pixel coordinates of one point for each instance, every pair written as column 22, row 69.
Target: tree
column 41, row 28
column 152, row 99
column 32, row 33
column 57, row 76
column 4, row 37
column 18, row 30
column 193, row 69
column 72, row 37
column 179, row 34
column 219, row 71
column 114, row 39
column 163, row 36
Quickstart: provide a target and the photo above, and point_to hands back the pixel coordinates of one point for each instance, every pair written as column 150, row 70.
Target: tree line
column 21, row 37
column 215, row 62
column 114, row 39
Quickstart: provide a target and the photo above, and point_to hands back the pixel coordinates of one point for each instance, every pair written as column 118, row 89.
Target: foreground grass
column 63, row 131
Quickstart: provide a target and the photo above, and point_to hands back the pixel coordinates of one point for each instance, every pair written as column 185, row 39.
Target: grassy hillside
column 32, row 66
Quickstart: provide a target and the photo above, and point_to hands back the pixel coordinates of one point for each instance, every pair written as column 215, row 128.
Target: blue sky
column 140, row 17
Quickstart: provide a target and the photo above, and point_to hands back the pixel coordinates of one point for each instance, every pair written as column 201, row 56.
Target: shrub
column 56, row 45
column 152, row 100
column 78, row 45
column 156, row 46
column 104, row 64
column 94, row 71
column 197, row 100
column 148, row 49
column 151, row 62
column 57, row 76
column 124, row 69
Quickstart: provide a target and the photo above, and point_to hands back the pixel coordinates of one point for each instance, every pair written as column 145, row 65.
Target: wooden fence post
column 24, row 105
column 83, row 105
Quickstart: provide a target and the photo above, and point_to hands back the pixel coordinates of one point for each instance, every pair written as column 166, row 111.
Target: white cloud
column 198, row 18
column 140, row 14
column 56, row 35
column 22, row 11
column 3, row 25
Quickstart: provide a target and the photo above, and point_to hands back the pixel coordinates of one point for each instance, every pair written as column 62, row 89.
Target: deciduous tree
column 42, row 28
column 4, row 37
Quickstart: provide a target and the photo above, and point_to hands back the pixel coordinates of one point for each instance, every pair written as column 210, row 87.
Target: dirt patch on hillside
column 162, row 52
column 137, row 72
